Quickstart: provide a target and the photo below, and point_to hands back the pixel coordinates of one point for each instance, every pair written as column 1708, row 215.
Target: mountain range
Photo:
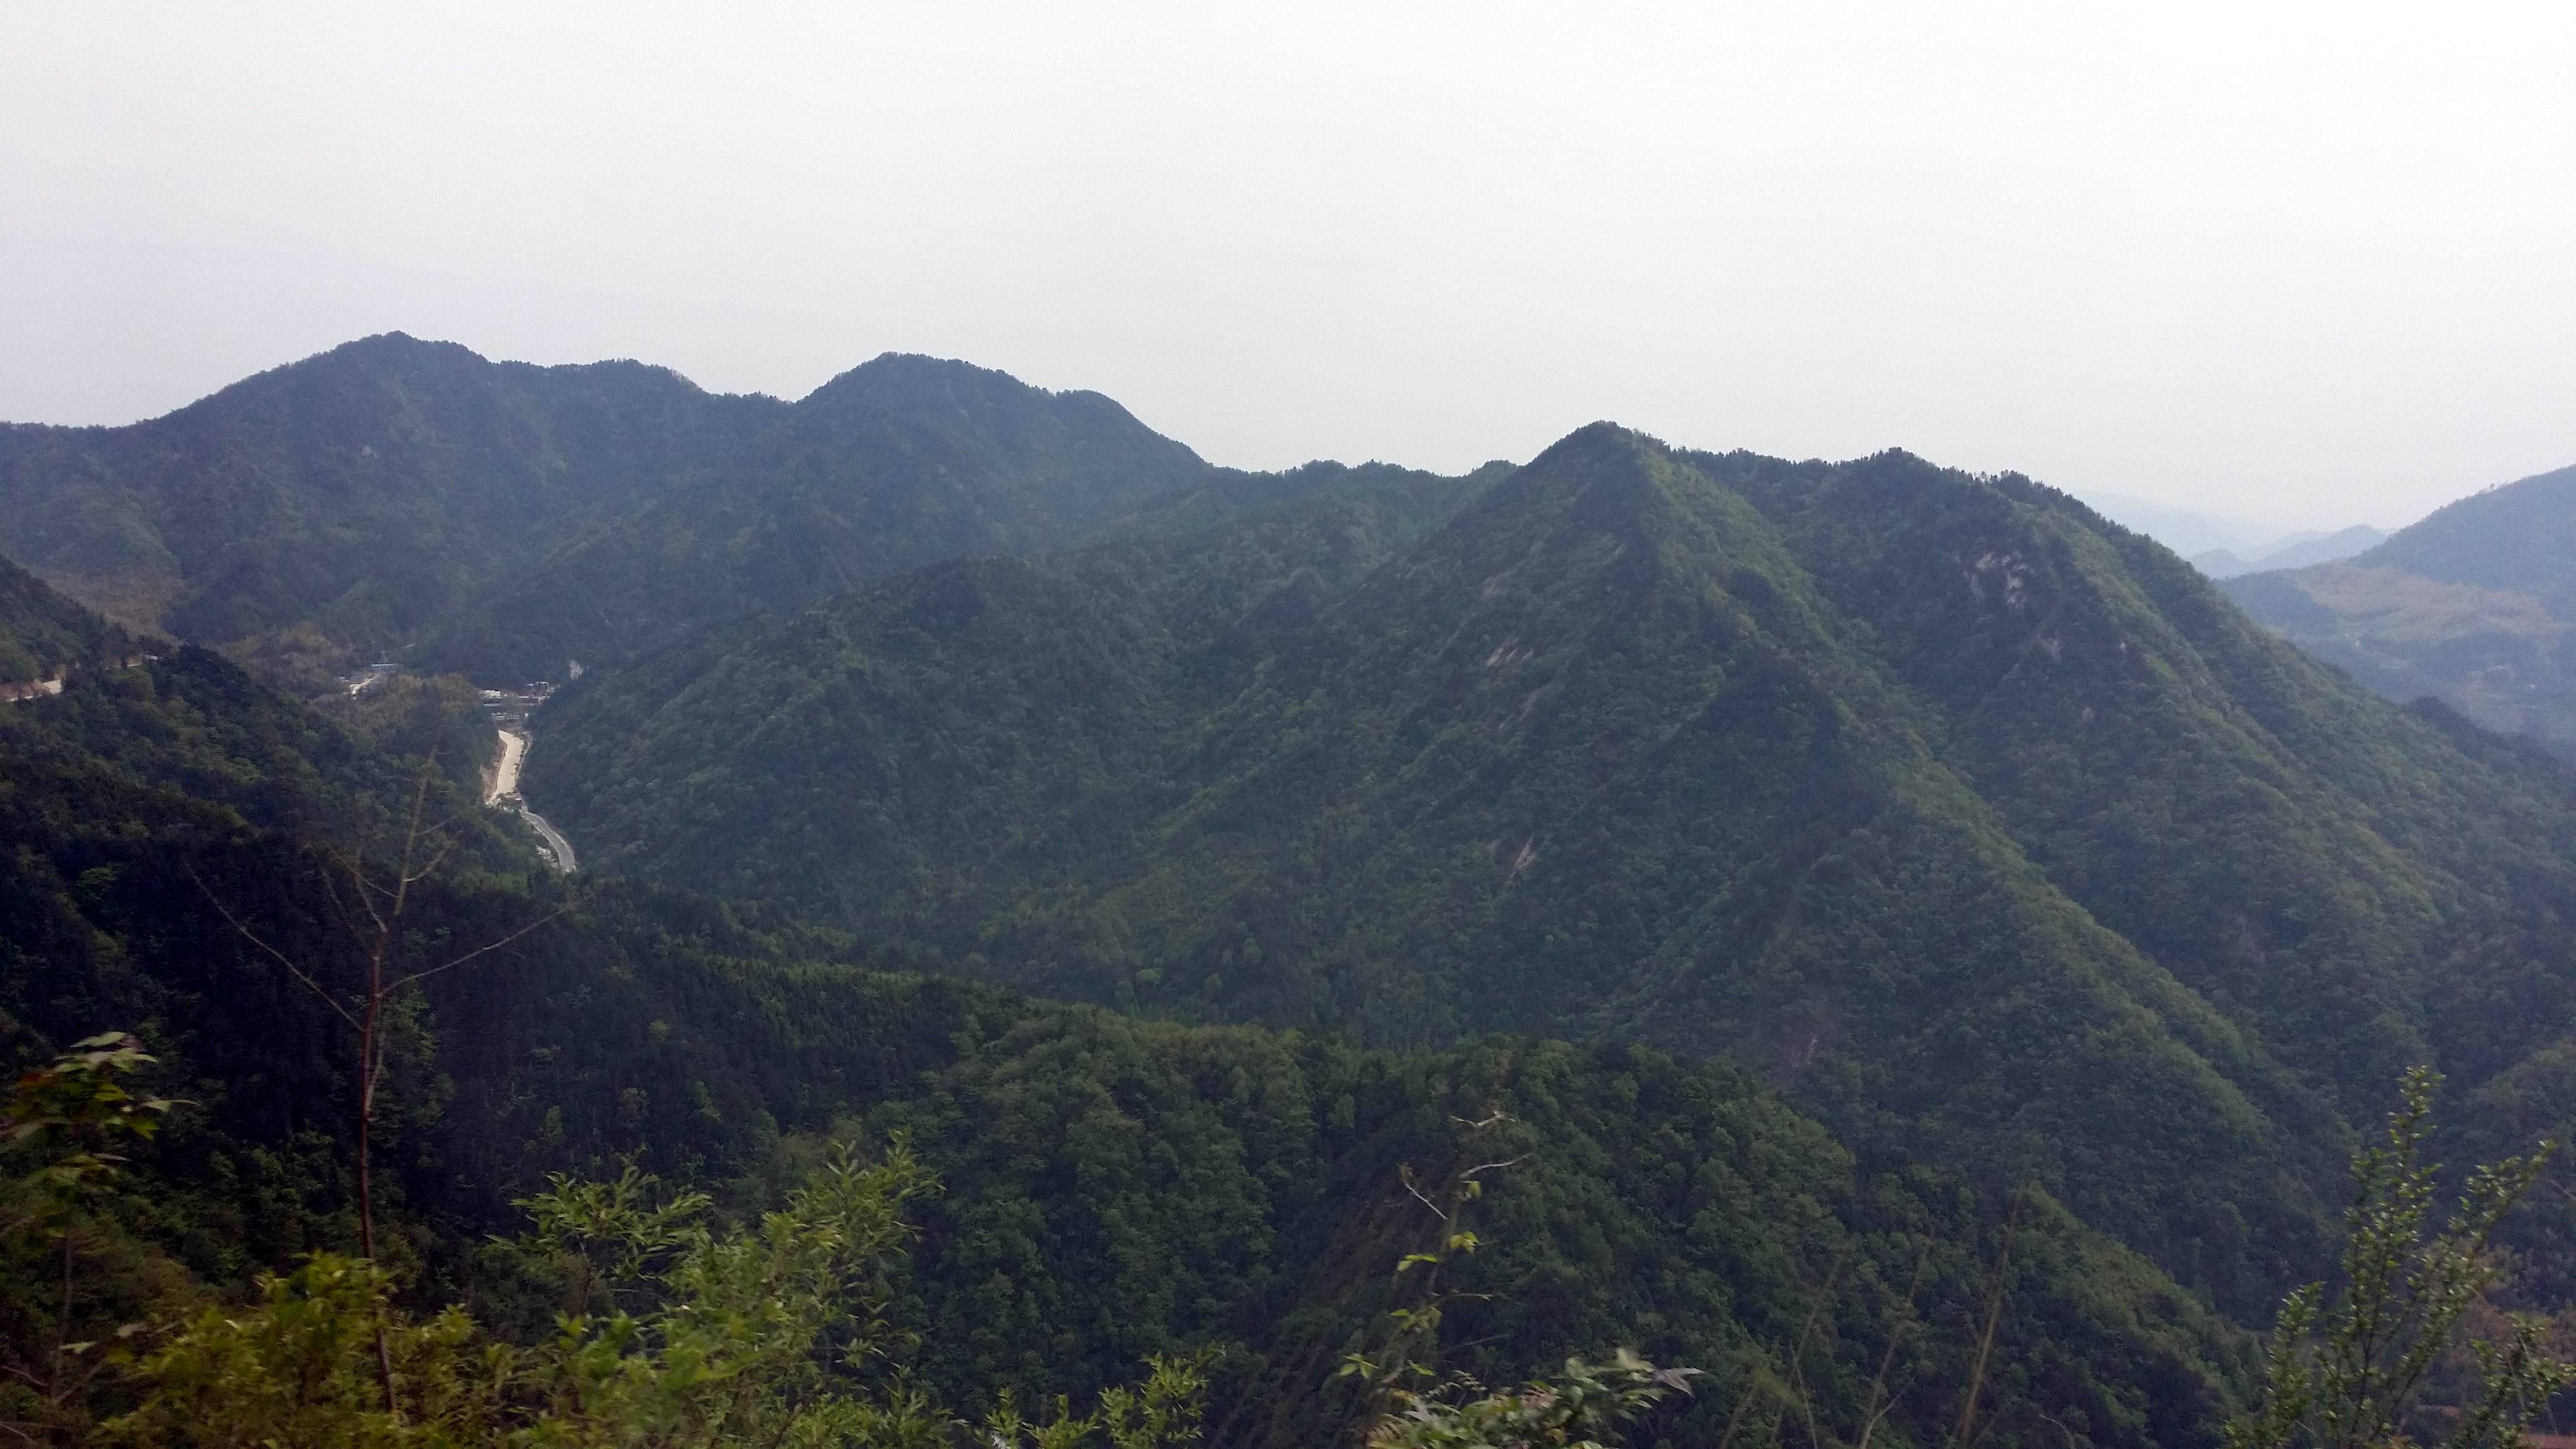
column 1889, row 841
column 2295, row 551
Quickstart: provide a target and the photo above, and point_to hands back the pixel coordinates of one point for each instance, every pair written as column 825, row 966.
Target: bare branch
column 1426, row 1202
column 419, row 804
column 447, row 848
column 489, row 946
column 357, row 869
column 339, row 908
column 280, row 957
column 1879, row 1400
column 1798, row 1356
column 1965, row 1437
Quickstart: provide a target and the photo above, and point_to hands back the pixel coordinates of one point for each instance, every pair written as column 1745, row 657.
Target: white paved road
column 505, row 791
column 555, row 842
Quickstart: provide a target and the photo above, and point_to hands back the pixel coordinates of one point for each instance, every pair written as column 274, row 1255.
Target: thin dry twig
column 1797, row 1373
column 275, row 954
column 1406, row 1178
column 1877, row 1408
column 400, row 982
column 1752, row 1386
column 384, row 901
column 1986, row 1338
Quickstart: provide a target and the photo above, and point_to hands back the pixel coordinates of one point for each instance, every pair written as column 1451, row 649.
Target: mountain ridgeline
column 500, row 519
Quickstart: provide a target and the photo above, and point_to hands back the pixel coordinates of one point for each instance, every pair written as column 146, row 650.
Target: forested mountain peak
column 393, row 387
column 899, row 441
column 918, row 383
column 370, row 492
column 1602, row 469
column 505, row 520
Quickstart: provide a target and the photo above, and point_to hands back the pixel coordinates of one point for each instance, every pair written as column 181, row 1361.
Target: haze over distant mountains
column 2222, row 546
column 2293, row 551
column 2476, row 604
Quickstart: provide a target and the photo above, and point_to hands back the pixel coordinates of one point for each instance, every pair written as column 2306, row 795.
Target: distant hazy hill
column 2222, row 546
column 2475, row 605
column 1986, row 828
column 2296, row 551
column 2186, row 531
column 500, row 519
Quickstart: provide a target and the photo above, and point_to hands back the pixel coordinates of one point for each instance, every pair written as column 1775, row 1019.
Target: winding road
column 558, row 848
column 505, row 792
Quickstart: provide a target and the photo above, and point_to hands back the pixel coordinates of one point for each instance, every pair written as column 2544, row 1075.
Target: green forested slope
column 1112, row 1187
column 42, row 634
column 1986, row 829
column 967, row 708
column 2295, row 851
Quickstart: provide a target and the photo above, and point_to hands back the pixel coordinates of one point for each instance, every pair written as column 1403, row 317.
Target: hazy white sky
column 2313, row 263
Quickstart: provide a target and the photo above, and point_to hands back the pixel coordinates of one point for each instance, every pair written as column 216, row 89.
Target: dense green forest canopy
column 1110, row 1188
column 1986, row 830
